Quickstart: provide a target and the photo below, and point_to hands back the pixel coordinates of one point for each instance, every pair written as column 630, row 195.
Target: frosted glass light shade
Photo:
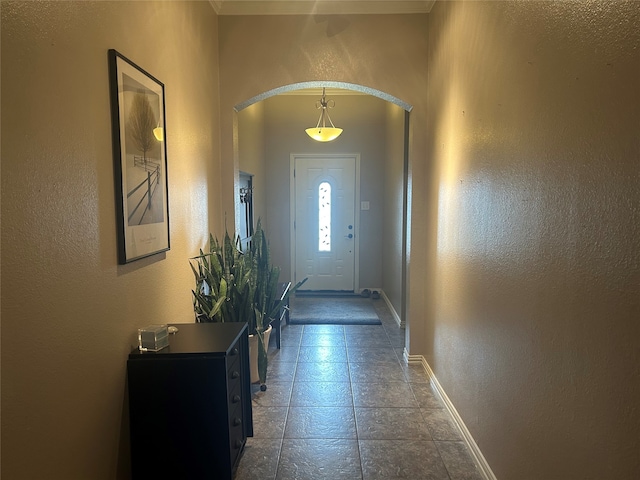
column 323, row 134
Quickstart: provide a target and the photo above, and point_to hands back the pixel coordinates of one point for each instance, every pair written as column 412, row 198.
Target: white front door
column 325, row 230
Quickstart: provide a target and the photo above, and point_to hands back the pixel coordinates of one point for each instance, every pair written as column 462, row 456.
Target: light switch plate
column 364, row 205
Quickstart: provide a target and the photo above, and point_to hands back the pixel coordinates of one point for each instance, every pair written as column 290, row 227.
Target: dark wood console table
column 190, row 403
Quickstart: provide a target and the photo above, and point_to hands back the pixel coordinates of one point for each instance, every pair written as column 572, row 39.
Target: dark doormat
column 333, row 311
column 326, row 293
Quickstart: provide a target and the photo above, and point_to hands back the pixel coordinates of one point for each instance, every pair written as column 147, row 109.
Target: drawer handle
column 235, row 374
column 235, row 399
column 234, row 351
column 237, row 421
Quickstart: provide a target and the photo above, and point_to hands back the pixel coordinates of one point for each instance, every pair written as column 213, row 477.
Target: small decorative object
column 153, row 338
column 140, row 160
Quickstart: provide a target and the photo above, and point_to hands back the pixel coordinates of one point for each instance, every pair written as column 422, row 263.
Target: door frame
column 356, row 211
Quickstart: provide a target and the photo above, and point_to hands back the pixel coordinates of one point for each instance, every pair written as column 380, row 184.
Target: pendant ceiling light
column 321, row 132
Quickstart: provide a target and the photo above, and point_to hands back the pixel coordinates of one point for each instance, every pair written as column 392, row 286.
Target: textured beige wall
column 392, row 229
column 385, row 52
column 251, row 149
column 535, row 129
column 363, row 121
column 69, row 312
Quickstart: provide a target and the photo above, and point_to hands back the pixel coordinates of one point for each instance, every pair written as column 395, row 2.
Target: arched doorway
column 260, row 122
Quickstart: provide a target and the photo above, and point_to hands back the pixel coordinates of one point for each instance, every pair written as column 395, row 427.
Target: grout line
column 353, row 406
column 275, row 474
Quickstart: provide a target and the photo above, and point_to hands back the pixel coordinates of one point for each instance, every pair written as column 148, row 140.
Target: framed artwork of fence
column 140, row 160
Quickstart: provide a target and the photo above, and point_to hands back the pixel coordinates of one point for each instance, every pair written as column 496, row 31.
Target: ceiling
column 320, row 7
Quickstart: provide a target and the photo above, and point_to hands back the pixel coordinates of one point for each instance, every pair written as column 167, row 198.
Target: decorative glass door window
column 324, row 217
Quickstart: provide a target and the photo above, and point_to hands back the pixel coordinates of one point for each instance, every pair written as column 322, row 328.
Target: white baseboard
column 476, row 454
column 396, row 317
column 414, row 359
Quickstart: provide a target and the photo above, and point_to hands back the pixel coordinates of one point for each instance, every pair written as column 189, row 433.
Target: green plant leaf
column 236, row 286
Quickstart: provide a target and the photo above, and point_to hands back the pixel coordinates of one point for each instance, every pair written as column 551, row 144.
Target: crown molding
column 320, row 7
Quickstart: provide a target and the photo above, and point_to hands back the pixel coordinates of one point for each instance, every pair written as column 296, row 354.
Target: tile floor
column 342, row 404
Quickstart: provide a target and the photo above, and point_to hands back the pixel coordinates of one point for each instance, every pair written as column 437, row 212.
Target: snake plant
column 236, row 286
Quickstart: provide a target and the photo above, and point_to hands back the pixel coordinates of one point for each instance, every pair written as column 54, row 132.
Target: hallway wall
column 251, row 150
column 392, row 232
column 70, row 313
column 535, row 130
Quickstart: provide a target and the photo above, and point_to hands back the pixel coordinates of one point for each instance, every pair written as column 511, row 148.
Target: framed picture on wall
column 140, row 160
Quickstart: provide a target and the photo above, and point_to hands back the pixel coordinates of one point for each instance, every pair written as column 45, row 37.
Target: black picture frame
column 140, row 160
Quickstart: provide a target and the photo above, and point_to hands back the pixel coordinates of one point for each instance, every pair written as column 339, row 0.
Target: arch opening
column 277, row 222
column 328, row 84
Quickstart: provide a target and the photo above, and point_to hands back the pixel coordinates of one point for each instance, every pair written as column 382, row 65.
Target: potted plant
column 237, row 286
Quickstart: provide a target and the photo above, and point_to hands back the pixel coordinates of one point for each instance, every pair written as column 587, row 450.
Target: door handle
column 349, row 236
